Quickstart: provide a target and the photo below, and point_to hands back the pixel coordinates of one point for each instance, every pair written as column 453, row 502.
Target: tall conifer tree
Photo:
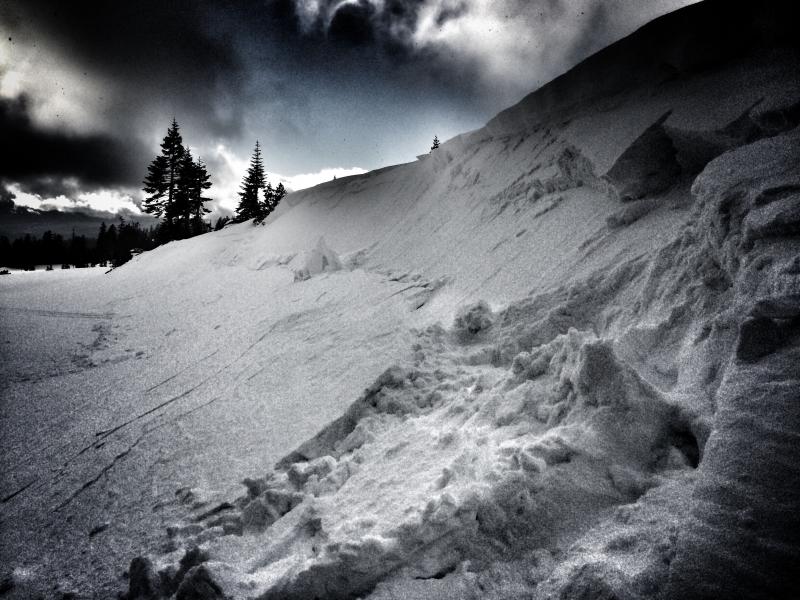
column 253, row 181
column 161, row 182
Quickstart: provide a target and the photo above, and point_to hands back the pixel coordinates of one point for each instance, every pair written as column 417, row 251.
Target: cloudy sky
column 329, row 87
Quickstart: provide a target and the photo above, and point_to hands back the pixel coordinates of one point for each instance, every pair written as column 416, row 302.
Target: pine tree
column 155, row 186
column 162, row 176
column 435, row 143
column 253, row 181
column 280, row 192
column 201, row 181
column 101, row 247
column 178, row 213
column 271, row 199
column 188, row 208
column 265, row 206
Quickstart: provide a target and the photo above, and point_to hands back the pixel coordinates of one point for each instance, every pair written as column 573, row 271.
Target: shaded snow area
column 558, row 357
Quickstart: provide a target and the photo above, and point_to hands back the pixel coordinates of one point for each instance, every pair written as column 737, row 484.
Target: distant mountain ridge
column 22, row 220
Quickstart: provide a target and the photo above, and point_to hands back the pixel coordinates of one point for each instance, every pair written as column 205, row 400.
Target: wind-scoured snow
column 555, row 358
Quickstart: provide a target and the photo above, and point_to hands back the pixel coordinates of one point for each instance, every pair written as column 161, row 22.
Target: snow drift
column 576, row 332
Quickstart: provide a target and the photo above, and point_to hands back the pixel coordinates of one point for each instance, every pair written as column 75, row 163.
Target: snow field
column 557, row 358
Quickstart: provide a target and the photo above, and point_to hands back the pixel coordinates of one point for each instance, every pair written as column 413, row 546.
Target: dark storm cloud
column 322, row 83
column 352, row 23
column 144, row 61
column 389, row 26
column 565, row 31
column 151, row 51
column 41, row 160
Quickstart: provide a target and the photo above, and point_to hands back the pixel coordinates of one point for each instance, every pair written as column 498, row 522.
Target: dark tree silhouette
column 175, row 184
column 178, row 212
column 253, row 181
column 155, row 186
column 435, row 142
column 78, row 251
column 114, row 244
column 5, row 251
column 265, row 206
column 280, row 192
column 188, row 208
column 111, row 243
column 271, row 199
column 162, row 178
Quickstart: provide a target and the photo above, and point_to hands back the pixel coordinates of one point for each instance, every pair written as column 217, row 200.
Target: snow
column 320, row 259
column 520, row 367
column 148, row 382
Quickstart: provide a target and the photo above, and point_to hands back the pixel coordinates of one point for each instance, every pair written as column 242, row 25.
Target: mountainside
column 556, row 358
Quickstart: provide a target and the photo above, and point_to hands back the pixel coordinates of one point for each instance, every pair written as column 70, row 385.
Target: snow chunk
column 319, row 260
column 472, row 320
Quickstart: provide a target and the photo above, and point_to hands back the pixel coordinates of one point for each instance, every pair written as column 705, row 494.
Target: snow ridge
column 542, row 450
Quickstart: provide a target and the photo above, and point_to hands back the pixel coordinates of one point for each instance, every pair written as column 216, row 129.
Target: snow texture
column 555, row 359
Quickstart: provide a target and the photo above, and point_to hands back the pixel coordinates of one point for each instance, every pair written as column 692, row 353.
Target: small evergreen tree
column 271, row 199
column 265, row 205
column 435, row 143
column 249, row 207
column 280, row 192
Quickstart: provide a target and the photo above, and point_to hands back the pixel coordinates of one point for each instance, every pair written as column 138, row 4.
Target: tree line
column 113, row 246
column 175, row 186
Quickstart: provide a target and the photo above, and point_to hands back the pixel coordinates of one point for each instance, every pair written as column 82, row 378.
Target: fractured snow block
column 472, row 320
column 143, row 584
column 758, row 337
column 198, row 584
column 320, row 259
column 299, row 473
column 648, row 166
column 258, row 515
column 774, row 215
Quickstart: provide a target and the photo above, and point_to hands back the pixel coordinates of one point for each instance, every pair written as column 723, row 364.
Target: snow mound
column 320, row 259
column 471, row 321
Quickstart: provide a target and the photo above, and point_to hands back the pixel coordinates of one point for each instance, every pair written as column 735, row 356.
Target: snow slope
column 575, row 331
